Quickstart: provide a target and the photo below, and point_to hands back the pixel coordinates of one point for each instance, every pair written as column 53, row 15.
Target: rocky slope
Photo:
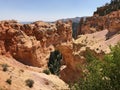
column 74, row 57
column 97, row 23
column 14, row 75
column 23, row 46
column 99, row 32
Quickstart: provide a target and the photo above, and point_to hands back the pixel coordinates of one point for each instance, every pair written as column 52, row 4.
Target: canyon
column 31, row 43
column 25, row 49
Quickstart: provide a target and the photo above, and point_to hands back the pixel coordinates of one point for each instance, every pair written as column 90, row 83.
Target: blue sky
column 47, row 10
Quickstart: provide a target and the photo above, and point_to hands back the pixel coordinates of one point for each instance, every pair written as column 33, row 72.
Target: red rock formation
column 97, row 43
column 95, row 23
column 71, row 71
column 31, row 43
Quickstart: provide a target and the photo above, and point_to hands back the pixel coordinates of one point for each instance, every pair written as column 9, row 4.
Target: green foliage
column 90, row 56
column 5, row 67
column 54, row 63
column 46, row 71
column 9, row 81
column 29, row 83
column 101, row 74
column 113, row 6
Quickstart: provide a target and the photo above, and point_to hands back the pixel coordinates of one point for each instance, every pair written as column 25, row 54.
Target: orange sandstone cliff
column 24, row 53
column 95, row 23
column 31, row 43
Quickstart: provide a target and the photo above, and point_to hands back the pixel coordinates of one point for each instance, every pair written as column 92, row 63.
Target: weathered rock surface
column 18, row 74
column 95, row 23
column 98, row 42
column 31, row 43
column 71, row 71
column 23, row 46
column 74, row 56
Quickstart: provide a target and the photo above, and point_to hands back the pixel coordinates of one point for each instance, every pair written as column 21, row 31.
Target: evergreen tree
column 54, row 63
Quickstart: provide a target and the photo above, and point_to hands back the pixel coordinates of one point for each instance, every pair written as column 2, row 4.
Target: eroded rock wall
column 96, row 23
column 74, row 56
column 31, row 43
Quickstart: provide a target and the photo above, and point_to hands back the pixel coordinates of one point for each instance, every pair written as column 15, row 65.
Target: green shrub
column 102, row 74
column 46, row 71
column 21, row 70
column 5, row 67
column 90, row 56
column 54, row 63
column 29, row 83
column 114, row 5
column 9, row 81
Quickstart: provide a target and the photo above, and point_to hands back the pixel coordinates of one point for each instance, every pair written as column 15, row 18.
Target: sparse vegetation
column 102, row 74
column 97, row 49
column 108, row 8
column 21, row 70
column 5, row 67
column 90, row 56
column 46, row 83
column 9, row 81
column 54, row 63
column 46, row 71
column 29, row 83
